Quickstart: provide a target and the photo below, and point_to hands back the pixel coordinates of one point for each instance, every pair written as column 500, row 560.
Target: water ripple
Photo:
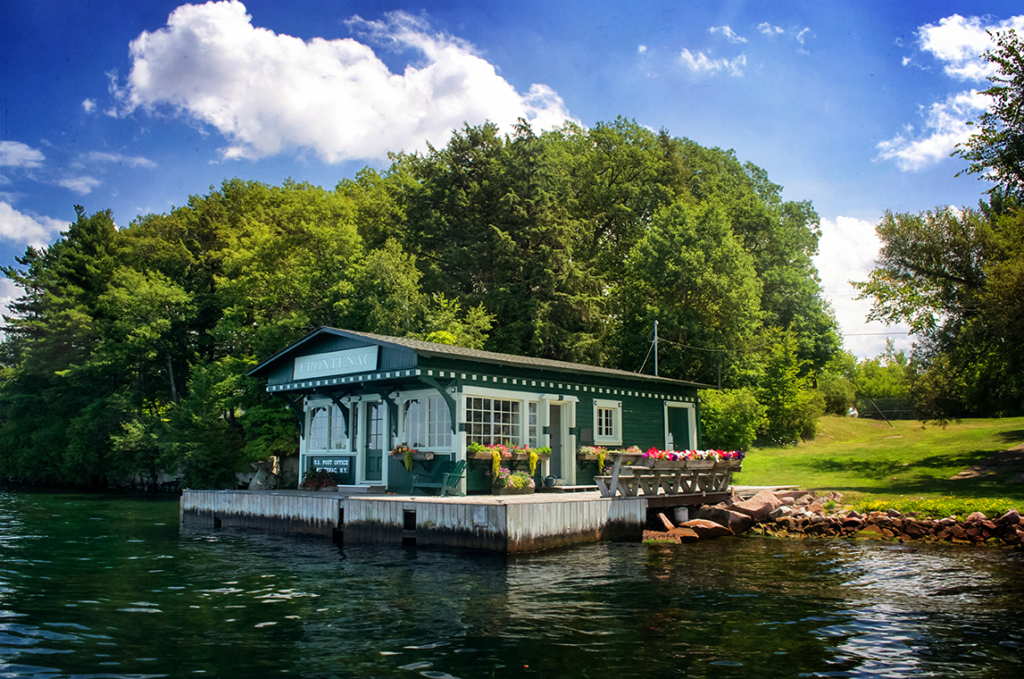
column 728, row 608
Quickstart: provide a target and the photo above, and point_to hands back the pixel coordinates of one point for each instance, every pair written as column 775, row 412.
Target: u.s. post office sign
column 334, row 464
column 335, row 363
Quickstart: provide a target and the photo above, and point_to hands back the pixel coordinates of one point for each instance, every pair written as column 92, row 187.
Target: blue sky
column 135, row 105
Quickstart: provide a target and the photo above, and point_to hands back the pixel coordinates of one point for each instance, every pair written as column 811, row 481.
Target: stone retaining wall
column 804, row 514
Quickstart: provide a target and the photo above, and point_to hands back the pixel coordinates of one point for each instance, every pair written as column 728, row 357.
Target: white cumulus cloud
column 16, row 154
column 22, row 228
column 945, row 126
column 80, row 185
column 8, row 293
column 267, row 92
column 959, row 42
column 847, row 252
column 729, row 34
column 119, row 159
column 89, row 105
column 700, row 62
column 768, row 29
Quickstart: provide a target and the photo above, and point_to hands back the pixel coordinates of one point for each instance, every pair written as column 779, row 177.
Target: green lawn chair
column 450, row 485
column 435, row 479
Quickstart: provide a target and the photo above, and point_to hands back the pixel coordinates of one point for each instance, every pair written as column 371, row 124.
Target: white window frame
column 570, row 404
column 338, row 422
column 333, row 414
column 615, row 438
column 313, row 428
column 516, row 425
column 426, row 399
column 534, row 439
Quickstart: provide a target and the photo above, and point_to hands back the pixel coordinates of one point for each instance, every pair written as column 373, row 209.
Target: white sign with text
column 335, row 363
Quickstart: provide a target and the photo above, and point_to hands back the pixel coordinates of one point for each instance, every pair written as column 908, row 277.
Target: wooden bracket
column 442, row 389
column 300, row 414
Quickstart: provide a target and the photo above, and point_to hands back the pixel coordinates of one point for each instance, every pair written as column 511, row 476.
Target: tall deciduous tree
column 930, row 270
column 693, row 276
column 792, row 407
column 954, row 277
column 996, row 149
column 492, row 228
column 781, row 236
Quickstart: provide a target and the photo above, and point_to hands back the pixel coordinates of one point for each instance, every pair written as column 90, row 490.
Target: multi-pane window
column 439, row 423
column 415, row 423
column 374, row 426
column 491, row 421
column 326, row 429
column 339, row 435
column 428, row 423
column 607, row 421
column 319, row 428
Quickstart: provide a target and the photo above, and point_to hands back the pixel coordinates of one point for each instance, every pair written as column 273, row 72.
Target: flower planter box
column 478, row 456
column 513, row 491
column 419, row 456
column 515, row 457
column 627, row 458
column 679, row 464
column 699, row 464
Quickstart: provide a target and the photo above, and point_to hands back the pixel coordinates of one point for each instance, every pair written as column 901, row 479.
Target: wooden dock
column 507, row 524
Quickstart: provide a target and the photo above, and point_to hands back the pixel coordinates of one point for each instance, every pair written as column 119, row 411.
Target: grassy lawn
column 867, row 461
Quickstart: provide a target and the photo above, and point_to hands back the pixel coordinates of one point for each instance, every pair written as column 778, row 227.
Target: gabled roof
column 432, row 349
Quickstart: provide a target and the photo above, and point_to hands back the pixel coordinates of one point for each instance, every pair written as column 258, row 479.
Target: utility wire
column 649, row 350
column 866, row 334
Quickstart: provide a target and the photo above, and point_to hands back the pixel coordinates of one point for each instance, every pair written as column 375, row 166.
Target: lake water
column 96, row 585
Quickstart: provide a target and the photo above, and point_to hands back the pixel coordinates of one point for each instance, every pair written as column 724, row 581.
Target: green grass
column 909, row 466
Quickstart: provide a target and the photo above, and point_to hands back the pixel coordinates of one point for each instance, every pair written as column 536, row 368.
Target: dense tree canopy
column 126, row 351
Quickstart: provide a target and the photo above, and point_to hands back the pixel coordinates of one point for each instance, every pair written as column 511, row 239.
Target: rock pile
column 804, row 514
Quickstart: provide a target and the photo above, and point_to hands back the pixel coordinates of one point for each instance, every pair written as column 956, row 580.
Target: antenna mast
column 655, row 348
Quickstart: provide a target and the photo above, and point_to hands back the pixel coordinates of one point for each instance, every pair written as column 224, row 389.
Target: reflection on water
column 107, row 586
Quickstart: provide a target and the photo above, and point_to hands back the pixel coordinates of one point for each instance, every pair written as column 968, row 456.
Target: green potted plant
column 507, row 482
column 318, row 479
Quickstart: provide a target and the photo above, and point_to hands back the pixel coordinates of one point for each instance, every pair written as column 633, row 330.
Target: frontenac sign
column 335, row 363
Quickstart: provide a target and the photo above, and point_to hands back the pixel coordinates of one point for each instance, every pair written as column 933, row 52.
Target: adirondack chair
column 435, row 479
column 452, row 478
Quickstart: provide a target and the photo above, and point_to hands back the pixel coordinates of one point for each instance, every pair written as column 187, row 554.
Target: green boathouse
column 359, row 395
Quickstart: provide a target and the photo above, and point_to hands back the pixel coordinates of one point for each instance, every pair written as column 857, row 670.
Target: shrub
column 731, row 418
column 793, row 409
column 838, row 393
column 938, row 508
